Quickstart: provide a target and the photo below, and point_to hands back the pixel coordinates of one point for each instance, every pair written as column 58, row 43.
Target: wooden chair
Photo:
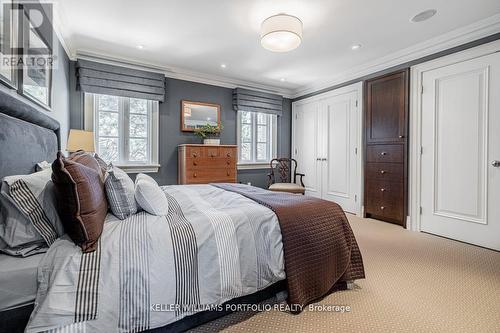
column 281, row 174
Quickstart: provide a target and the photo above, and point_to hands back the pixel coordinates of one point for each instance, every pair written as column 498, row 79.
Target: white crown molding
column 469, row 33
column 182, row 74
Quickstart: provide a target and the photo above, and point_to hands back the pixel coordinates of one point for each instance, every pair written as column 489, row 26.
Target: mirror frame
column 184, row 102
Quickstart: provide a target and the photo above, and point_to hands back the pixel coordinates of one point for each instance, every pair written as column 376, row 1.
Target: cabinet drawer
column 379, row 208
column 387, row 191
column 385, row 171
column 194, row 152
column 228, row 152
column 210, row 163
column 210, row 176
column 384, row 153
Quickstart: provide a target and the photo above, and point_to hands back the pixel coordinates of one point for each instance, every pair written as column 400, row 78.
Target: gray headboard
column 27, row 136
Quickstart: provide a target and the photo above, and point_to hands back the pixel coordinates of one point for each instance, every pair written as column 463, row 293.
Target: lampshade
column 80, row 140
column 281, row 33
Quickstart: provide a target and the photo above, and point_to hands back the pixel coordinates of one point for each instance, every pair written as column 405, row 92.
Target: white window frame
column 272, row 134
column 91, row 124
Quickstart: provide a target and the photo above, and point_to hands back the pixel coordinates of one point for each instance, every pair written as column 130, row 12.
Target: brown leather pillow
column 82, row 203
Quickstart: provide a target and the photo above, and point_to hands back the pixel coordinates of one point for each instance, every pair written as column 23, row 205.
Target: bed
column 219, row 244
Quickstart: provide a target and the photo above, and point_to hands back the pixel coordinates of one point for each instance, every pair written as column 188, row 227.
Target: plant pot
column 214, row 142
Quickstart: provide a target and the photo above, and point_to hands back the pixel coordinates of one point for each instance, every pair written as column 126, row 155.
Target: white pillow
column 149, row 195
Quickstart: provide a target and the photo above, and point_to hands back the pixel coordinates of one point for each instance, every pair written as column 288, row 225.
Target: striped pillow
column 33, row 196
column 120, row 192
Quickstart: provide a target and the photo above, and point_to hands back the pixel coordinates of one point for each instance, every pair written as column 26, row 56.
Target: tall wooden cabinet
column 386, row 147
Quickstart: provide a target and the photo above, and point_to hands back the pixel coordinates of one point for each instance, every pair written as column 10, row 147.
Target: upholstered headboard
column 27, row 136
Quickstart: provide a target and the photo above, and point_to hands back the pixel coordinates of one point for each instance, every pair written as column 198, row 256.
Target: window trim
column 273, row 136
column 90, row 124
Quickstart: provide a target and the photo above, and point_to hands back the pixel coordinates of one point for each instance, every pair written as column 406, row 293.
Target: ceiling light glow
column 356, row 47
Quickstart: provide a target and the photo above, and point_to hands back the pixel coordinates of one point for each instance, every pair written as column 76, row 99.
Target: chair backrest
column 281, row 169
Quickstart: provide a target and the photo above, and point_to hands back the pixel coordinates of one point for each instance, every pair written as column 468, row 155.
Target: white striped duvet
column 213, row 246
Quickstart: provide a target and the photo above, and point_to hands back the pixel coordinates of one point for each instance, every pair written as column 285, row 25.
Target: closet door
column 461, row 151
column 305, row 145
column 341, row 179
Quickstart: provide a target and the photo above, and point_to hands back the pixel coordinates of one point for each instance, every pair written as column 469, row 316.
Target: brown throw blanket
column 318, row 244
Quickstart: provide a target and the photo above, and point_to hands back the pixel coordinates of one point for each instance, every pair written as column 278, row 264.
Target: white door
column 340, row 178
column 305, row 143
column 460, row 179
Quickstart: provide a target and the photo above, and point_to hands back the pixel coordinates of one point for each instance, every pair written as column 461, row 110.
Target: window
column 256, row 138
column 125, row 129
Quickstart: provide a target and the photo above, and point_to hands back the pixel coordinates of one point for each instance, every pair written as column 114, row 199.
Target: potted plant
column 209, row 134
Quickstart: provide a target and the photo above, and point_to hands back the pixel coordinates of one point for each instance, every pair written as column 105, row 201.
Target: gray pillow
column 120, row 192
column 149, row 195
column 28, row 210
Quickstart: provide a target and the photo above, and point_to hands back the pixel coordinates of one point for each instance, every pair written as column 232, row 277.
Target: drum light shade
column 281, row 33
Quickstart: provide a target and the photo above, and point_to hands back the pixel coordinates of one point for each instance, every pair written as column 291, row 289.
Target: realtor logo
column 26, row 36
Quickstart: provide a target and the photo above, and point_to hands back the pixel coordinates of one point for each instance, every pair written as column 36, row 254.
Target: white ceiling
column 195, row 37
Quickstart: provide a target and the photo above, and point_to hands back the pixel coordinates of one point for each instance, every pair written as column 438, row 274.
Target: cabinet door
column 386, row 108
column 305, row 145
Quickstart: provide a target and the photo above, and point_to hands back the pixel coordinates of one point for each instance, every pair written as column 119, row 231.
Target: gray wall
column 171, row 135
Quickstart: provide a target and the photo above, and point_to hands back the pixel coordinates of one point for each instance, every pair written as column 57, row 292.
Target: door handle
column 495, row 164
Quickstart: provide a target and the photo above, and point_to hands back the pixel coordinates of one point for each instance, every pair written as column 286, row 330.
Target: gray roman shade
column 98, row 78
column 256, row 101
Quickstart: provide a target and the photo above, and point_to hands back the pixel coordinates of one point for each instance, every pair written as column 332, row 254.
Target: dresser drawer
column 195, row 152
column 385, row 153
column 228, row 152
column 210, row 176
column 384, row 171
column 209, row 163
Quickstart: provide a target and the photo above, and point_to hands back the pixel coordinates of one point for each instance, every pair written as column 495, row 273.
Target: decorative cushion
column 120, row 191
column 82, row 203
column 104, row 166
column 28, row 213
column 287, row 187
column 149, row 195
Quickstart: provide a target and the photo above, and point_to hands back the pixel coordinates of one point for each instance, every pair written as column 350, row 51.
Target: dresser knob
column 228, row 173
column 401, row 136
column 228, row 154
column 195, row 175
column 382, row 190
column 195, row 155
column 382, row 171
column 228, row 163
column 382, row 208
column 383, row 153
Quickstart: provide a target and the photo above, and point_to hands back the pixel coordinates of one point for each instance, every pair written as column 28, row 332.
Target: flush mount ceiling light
column 281, row 33
column 355, row 47
column 423, row 16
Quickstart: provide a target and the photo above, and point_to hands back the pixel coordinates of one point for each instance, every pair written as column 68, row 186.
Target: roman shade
column 99, row 78
column 256, row 101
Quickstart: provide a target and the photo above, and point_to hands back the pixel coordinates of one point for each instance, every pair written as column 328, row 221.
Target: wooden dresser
column 202, row 164
column 386, row 128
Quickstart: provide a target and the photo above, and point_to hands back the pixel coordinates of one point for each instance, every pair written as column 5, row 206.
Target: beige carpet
column 415, row 282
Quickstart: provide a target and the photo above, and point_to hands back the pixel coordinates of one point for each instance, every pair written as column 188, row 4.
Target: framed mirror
column 198, row 114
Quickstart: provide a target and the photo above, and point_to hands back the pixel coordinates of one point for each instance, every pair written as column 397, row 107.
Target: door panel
column 340, row 171
column 386, row 108
column 460, row 138
column 306, row 146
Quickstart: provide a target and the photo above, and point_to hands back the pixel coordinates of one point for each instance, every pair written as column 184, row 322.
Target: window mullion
column 124, row 133
column 254, row 137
